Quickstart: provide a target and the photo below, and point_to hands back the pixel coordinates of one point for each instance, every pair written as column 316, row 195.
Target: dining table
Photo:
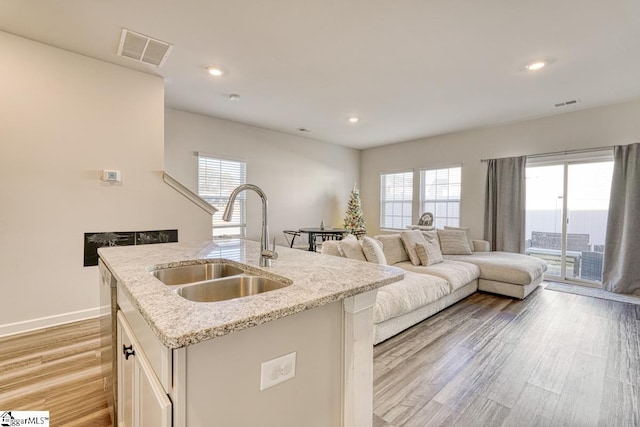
column 327, row 233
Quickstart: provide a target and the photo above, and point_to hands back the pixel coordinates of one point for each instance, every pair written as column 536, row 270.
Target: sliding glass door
column 545, row 200
column 588, row 190
column 567, row 206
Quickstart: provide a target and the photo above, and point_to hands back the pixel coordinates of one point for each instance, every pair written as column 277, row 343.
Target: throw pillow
column 429, row 252
column 409, row 240
column 393, row 248
column 330, row 247
column 454, row 242
column 373, row 250
column 351, row 248
column 467, row 233
column 430, row 235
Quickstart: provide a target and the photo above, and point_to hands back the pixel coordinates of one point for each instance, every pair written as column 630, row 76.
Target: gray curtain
column 621, row 273
column 504, row 209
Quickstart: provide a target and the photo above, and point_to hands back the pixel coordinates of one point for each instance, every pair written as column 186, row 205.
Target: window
column 217, row 178
column 440, row 195
column 396, row 196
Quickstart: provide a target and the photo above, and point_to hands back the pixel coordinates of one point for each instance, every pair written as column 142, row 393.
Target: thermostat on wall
column 111, row 175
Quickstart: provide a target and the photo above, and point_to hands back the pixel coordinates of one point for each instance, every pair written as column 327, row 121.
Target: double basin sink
column 215, row 282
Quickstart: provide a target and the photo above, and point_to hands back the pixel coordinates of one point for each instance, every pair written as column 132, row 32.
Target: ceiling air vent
column 143, row 48
column 567, row 103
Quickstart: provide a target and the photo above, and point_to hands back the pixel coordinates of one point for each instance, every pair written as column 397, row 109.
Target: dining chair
column 323, row 237
column 291, row 236
column 328, row 236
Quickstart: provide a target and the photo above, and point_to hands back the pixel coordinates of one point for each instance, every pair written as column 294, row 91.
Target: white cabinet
column 142, row 401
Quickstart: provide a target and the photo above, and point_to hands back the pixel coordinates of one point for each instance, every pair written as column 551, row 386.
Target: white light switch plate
column 277, row 370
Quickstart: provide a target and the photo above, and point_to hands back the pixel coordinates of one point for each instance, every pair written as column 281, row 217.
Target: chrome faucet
column 266, row 254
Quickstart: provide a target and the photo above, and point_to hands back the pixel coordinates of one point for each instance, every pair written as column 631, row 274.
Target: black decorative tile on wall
column 93, row 241
column 149, row 237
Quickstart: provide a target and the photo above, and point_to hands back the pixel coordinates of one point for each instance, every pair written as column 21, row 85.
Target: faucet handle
column 271, row 253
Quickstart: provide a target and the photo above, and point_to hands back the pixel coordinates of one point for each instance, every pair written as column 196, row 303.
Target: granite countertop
column 316, row 280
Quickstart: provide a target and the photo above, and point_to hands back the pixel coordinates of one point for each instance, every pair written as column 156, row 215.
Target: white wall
column 305, row 181
column 63, row 118
column 600, row 127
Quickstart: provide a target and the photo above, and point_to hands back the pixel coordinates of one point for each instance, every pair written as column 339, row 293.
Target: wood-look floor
column 57, row 370
column 554, row 359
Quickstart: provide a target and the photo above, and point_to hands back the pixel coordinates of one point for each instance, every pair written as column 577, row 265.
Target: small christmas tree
column 354, row 221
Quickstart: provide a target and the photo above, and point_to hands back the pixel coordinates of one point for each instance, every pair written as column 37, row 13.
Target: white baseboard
column 47, row 322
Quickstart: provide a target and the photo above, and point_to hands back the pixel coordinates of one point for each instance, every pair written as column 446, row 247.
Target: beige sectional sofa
column 427, row 289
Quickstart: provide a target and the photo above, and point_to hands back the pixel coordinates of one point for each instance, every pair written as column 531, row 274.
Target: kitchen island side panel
column 223, row 374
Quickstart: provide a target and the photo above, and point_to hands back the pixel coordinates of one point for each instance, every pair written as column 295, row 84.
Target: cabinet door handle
column 128, row 350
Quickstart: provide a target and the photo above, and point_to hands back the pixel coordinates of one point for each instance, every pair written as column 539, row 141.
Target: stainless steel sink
column 229, row 288
column 195, row 273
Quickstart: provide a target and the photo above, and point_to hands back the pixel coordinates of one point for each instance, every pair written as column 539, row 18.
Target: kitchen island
column 206, row 360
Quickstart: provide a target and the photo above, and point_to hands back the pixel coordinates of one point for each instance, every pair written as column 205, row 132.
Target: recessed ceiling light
column 534, row 66
column 215, row 71
column 234, row 97
column 354, row 119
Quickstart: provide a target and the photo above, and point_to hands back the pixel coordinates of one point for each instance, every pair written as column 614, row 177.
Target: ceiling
column 407, row 68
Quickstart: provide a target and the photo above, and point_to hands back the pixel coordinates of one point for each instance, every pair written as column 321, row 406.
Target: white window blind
column 217, row 178
column 396, row 198
column 440, row 194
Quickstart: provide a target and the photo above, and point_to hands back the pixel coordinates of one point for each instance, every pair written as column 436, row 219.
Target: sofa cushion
column 351, row 248
column 412, row 292
column 373, row 251
column 505, row 266
column 429, row 252
column 456, row 273
column 330, row 247
column 454, row 242
column 409, row 240
column 467, row 233
column 430, row 235
column 481, row 246
column 393, row 248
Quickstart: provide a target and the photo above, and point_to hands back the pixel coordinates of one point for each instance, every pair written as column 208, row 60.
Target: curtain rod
column 557, row 153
